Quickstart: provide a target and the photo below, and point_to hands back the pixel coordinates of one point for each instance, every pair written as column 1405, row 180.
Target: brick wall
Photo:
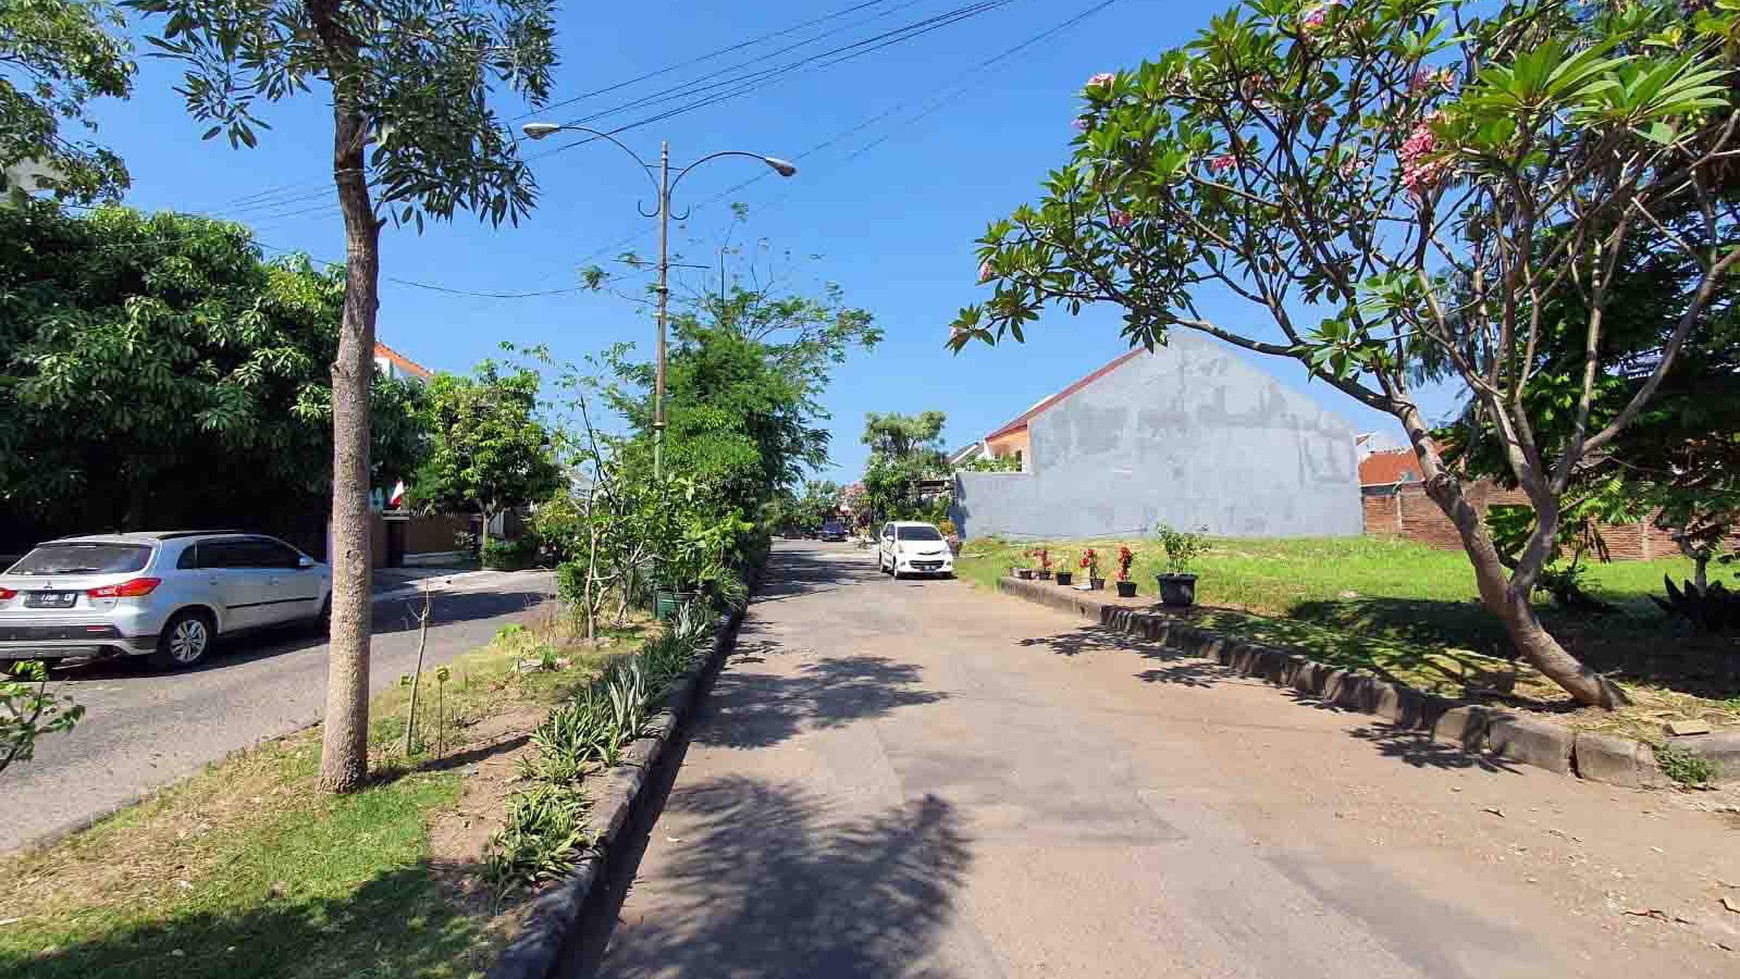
column 1406, row 511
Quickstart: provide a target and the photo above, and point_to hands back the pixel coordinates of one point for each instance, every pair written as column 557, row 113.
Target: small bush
column 1685, row 767
column 545, row 826
column 510, row 555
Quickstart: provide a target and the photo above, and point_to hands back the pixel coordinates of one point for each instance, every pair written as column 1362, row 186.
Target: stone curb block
column 535, row 952
column 1619, row 761
column 1478, row 729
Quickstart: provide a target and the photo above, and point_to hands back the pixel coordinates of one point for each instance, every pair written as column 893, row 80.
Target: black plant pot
column 1177, row 590
column 1025, row 574
column 1126, row 589
column 1064, row 577
column 1096, row 584
column 1044, row 576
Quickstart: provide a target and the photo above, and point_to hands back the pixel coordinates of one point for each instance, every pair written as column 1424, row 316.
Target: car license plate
column 50, row 599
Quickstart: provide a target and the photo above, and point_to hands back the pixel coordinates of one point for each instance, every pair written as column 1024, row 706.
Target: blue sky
column 889, row 209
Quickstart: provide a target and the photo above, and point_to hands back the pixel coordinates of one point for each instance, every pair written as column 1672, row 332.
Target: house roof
column 401, row 361
column 1020, row 422
column 1389, row 467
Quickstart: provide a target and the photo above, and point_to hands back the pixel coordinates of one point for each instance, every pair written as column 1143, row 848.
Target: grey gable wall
column 1190, row 435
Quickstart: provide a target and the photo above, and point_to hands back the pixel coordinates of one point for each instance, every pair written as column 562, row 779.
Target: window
column 923, row 532
column 267, row 553
column 213, row 554
column 84, row 557
column 888, row 530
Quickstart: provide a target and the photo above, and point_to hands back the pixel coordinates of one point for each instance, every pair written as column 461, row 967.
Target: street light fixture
column 663, row 184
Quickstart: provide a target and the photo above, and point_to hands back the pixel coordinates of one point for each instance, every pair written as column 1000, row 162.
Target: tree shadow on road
column 794, row 571
column 1180, row 668
column 757, row 710
column 767, row 882
column 1417, row 748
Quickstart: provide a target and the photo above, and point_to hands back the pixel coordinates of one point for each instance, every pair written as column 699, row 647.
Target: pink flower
column 1120, row 219
column 1315, row 17
column 985, row 274
column 1223, row 163
column 1102, row 80
column 1420, row 170
column 1080, row 123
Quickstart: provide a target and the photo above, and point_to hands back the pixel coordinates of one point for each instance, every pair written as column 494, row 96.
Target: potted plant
column 951, row 536
column 1044, row 557
column 1064, row 576
column 1177, row 583
column 1090, row 562
column 1126, row 587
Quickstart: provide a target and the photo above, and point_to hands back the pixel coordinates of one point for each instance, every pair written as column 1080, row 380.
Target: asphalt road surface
column 144, row 729
column 916, row 779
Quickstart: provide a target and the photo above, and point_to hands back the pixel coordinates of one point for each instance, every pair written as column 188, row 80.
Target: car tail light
column 6, row 593
column 127, row 589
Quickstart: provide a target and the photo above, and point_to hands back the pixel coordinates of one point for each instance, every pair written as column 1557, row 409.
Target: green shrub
column 1685, row 767
column 545, row 827
column 510, row 555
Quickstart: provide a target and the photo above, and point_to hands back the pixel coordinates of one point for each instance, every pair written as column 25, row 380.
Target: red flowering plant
column 1399, row 188
column 1125, row 556
column 1090, row 561
column 1044, row 557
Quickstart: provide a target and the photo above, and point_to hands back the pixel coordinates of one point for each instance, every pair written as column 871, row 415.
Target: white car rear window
column 84, row 557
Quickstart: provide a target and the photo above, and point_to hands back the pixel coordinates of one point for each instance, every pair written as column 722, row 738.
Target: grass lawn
column 1411, row 613
column 246, row 871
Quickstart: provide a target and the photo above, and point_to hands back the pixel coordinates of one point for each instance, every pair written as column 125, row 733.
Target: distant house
column 1380, row 472
column 1189, row 434
column 391, row 363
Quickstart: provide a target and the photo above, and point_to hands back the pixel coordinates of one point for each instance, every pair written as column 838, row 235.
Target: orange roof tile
column 1389, row 467
column 401, row 361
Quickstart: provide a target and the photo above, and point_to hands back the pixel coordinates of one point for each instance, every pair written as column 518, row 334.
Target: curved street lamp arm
column 684, row 172
column 645, row 167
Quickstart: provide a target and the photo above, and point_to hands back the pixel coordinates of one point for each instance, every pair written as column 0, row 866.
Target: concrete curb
column 1495, row 731
column 555, row 914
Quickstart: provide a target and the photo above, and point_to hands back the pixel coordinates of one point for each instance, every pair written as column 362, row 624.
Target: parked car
column 833, row 531
column 165, row 595
column 909, row 547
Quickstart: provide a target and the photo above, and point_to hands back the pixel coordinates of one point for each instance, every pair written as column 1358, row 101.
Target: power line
column 269, row 196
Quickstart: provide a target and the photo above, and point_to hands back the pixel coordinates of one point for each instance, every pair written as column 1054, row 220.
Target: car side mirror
column 305, row 562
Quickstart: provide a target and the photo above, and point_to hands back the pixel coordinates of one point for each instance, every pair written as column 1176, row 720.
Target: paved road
column 915, row 779
column 144, row 729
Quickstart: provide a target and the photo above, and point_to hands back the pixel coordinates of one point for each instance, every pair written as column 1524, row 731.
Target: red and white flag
column 397, row 497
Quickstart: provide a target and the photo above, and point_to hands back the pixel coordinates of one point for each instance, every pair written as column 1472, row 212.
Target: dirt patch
column 457, row 837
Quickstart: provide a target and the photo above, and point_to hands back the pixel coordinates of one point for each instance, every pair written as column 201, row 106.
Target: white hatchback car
column 164, row 595
column 910, row 547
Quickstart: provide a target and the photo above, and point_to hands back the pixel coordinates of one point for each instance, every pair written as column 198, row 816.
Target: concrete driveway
column 917, row 779
column 144, row 729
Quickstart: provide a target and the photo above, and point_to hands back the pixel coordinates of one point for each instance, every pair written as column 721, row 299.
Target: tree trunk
column 344, row 749
column 483, row 539
column 1512, row 605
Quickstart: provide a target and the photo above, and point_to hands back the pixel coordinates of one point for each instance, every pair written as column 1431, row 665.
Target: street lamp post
column 663, row 184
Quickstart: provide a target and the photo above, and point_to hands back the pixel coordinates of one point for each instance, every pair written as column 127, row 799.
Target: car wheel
column 323, row 621
column 186, row 639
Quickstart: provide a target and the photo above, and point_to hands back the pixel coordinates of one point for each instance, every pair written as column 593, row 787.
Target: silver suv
column 164, row 595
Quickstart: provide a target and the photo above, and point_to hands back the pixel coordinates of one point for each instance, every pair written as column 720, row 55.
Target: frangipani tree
column 1371, row 178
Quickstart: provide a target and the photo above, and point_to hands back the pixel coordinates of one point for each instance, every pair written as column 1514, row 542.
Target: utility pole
column 664, row 304
column 664, row 185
